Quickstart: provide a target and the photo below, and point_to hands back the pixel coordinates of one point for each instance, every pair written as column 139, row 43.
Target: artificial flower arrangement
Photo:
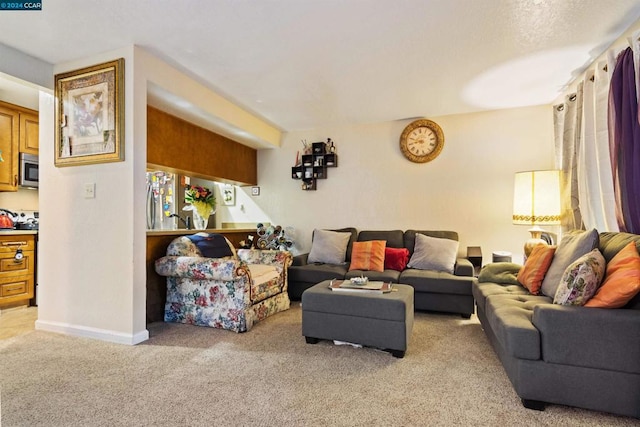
column 202, row 200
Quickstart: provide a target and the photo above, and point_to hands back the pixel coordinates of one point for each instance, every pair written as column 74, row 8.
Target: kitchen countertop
column 182, row 231
column 4, row 232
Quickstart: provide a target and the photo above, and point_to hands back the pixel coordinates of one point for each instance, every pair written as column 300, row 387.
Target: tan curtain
column 567, row 124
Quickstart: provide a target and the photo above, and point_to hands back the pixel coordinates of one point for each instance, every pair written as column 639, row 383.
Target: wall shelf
column 314, row 164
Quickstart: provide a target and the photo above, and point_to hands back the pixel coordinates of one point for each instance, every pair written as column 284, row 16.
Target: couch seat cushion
column 438, row 282
column 482, row 290
column 384, row 276
column 315, row 273
column 510, row 319
column 265, row 289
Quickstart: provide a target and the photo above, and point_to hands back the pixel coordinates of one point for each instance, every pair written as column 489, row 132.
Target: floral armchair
column 231, row 292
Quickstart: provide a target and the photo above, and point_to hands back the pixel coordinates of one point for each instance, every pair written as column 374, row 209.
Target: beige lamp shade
column 536, row 201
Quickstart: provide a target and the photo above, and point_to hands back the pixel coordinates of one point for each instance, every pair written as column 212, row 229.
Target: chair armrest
column 280, row 259
column 592, row 337
column 200, row 268
column 300, row 260
column 463, row 267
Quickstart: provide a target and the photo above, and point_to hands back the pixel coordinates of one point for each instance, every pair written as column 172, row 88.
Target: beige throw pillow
column 328, row 247
column 432, row 253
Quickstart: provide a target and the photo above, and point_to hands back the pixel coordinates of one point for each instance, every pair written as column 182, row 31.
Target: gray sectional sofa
column 433, row 290
column 570, row 355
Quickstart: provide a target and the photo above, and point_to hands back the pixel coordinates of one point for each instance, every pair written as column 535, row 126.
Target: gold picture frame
column 89, row 115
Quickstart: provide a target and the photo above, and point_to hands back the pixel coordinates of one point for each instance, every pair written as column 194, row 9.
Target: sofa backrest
column 610, row 244
column 394, row 238
column 410, row 237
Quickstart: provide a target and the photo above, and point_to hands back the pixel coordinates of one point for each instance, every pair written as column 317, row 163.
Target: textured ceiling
column 316, row 63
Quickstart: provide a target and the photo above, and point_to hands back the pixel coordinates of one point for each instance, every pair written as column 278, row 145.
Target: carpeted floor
column 188, row 375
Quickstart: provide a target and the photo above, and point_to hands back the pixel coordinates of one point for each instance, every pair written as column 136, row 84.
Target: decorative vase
column 200, row 222
column 201, row 213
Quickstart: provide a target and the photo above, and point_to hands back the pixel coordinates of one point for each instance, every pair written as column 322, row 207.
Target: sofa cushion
column 572, row 247
column 483, row 290
column 368, row 255
column 534, row 269
column 432, row 253
column 396, row 258
column 315, row 273
column 622, row 280
column 265, row 289
column 437, row 282
column 394, row 238
column 510, row 319
column 581, row 279
column 329, row 247
column 613, row 242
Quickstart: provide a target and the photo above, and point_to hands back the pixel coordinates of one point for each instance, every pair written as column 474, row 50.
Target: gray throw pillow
column 432, row 253
column 328, row 247
column 572, row 247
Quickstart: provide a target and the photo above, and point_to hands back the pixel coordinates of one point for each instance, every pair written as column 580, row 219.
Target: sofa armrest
column 200, row 268
column 592, row 337
column 280, row 259
column 300, row 260
column 463, row 267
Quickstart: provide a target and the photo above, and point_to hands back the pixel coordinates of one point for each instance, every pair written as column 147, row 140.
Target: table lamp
column 536, row 201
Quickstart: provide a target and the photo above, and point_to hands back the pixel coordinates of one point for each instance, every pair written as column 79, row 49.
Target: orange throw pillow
column 532, row 272
column 368, row 255
column 621, row 282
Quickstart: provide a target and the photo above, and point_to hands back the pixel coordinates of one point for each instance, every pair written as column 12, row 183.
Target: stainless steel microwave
column 28, row 170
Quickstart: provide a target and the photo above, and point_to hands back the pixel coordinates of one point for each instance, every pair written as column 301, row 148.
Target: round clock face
column 421, row 141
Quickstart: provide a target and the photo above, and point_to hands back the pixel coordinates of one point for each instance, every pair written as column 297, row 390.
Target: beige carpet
column 188, row 375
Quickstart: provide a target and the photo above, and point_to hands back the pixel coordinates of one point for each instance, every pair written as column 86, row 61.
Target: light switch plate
column 90, row 190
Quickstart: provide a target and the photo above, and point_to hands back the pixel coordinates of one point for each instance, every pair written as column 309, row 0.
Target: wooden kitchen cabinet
column 29, row 132
column 17, row 276
column 19, row 128
column 9, row 134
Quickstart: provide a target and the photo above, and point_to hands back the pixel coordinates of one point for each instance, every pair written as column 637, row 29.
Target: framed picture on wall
column 229, row 195
column 89, row 115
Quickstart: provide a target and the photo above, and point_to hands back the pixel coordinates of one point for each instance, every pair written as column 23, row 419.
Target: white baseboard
column 95, row 333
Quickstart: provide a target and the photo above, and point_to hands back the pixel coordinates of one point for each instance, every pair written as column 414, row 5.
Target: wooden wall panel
column 177, row 145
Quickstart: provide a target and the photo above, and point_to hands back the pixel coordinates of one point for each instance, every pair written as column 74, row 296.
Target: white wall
column 91, row 254
column 468, row 188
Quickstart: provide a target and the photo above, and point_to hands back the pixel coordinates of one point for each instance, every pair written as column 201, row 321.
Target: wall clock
column 422, row 141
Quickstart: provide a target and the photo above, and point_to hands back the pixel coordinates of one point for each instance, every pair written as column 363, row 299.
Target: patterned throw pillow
column 396, row 258
column 581, row 279
column 532, row 272
column 572, row 246
column 368, row 255
column 622, row 281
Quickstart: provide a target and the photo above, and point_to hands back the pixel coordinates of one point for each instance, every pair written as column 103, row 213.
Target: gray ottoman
column 376, row 320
